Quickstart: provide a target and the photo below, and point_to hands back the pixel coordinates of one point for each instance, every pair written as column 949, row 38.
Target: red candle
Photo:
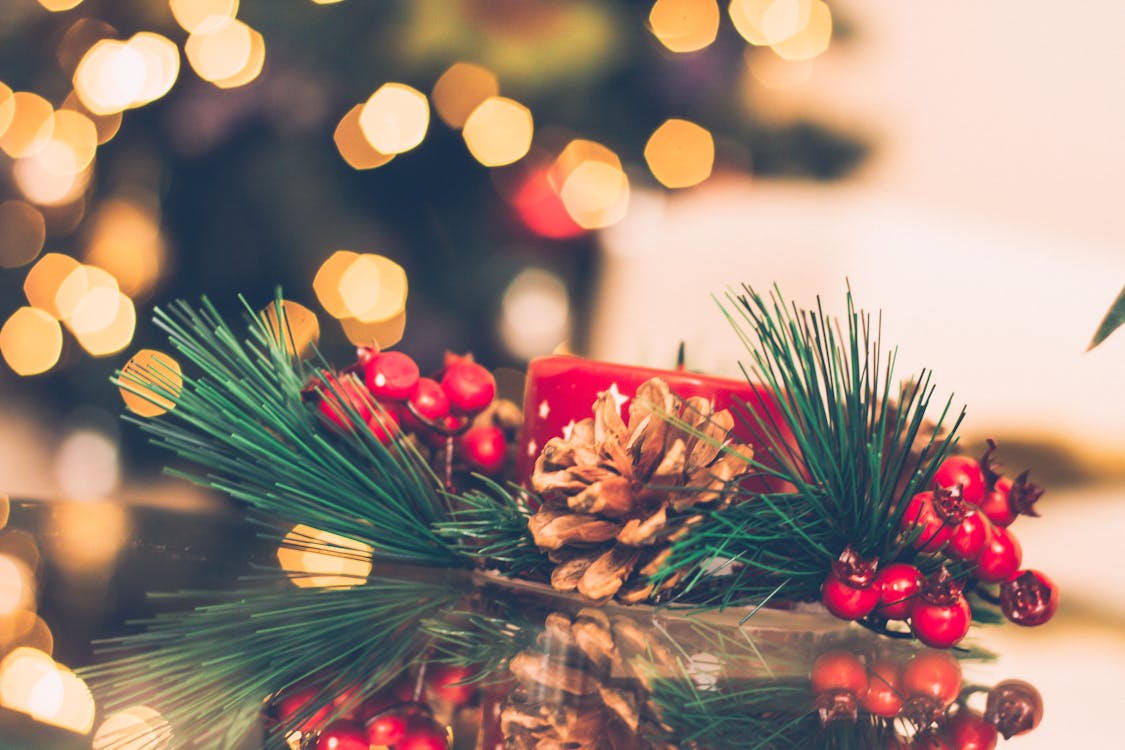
column 560, row 391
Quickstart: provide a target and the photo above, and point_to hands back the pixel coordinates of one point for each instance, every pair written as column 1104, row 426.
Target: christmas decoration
column 821, row 482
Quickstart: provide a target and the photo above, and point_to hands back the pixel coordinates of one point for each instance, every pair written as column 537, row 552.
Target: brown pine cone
column 616, row 495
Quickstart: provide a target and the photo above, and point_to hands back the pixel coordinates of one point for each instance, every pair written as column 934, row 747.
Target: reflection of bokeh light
column 395, row 118
column 41, row 286
column 201, row 15
column 87, row 536
column 106, row 125
column 59, row 5
column 385, row 334
column 39, row 185
column 30, row 341
column 110, row 77
column 352, row 143
column 20, row 672
column 77, row 287
column 591, row 183
column 126, row 241
column 65, row 703
column 30, row 127
column 541, row 209
column 348, row 564
column 147, row 380
column 250, row 70
column 812, row 39
column 373, row 288
column 684, row 25
column 22, row 233
column 161, row 61
column 135, row 728
column 499, row 131
column 219, row 51
column 70, row 149
column 86, row 466
column 680, row 154
column 764, row 22
column 534, row 313
column 17, row 586
column 461, row 89
column 102, row 340
column 326, row 283
column 298, row 331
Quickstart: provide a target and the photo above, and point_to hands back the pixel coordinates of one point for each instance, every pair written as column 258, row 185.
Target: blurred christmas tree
column 257, row 140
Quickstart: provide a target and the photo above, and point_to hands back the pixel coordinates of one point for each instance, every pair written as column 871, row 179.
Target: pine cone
column 578, row 688
column 616, row 495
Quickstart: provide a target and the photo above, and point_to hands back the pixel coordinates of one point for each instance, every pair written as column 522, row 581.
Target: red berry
column 342, row 735
column 485, row 449
column 838, row 670
column 995, row 504
column 296, row 703
column 384, row 426
column 970, row 537
column 964, row 473
column 968, row 730
column 386, row 729
column 339, row 393
column 1000, row 559
column 898, row 584
column 446, row 681
column 469, row 386
column 883, row 696
column 932, row 674
column 920, row 514
column 429, row 400
column 1030, row 598
column 849, row 589
column 424, row 734
column 1014, row 707
column 941, row 615
column 391, row 375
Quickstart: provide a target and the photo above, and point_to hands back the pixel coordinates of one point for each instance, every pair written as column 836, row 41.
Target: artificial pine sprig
column 848, row 442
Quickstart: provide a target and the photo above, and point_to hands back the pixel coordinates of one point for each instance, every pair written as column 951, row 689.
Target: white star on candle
column 544, row 409
column 568, row 429
column 618, row 398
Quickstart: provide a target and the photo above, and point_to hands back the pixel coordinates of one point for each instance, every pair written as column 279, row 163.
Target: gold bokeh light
column 499, row 131
column 135, row 728
column 221, row 51
column 384, row 335
column 106, row 125
column 252, row 68
column 20, row 672
column 373, row 288
column 591, row 183
column 353, row 145
column 57, row 6
column 71, row 147
column 321, row 559
column 7, row 108
column 32, row 683
column 30, row 127
column 42, row 283
column 149, row 381
column 87, row 536
column 326, row 283
column 461, row 89
column 17, row 586
column 684, row 25
column 395, row 118
column 22, row 233
column 812, row 39
column 766, row 22
column 680, row 154
column 110, row 77
column 41, row 186
column 104, row 324
column 202, row 15
column 125, row 239
column 161, row 60
column 30, row 341
column 298, row 330
column 77, row 286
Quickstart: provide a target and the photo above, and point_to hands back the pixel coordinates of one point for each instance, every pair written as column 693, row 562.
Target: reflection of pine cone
column 616, row 495
column 577, row 689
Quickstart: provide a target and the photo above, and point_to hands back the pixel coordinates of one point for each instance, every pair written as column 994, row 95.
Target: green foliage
column 1114, row 318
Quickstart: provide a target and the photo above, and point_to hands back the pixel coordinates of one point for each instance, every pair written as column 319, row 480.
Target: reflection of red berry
column 898, row 584
column 296, row 703
column 920, row 514
column 423, row 733
column 469, row 386
column 1014, row 707
column 342, row 735
column 484, row 449
column 429, row 400
column 964, row 473
column 1030, row 598
column 391, row 375
column 883, row 696
column 336, row 395
column 968, row 730
column 1000, row 559
column 838, row 670
column 941, row 615
column 933, row 674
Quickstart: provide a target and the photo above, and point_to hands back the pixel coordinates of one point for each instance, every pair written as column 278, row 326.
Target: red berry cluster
column 926, row 691
column 961, row 521
column 387, row 391
column 394, row 718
